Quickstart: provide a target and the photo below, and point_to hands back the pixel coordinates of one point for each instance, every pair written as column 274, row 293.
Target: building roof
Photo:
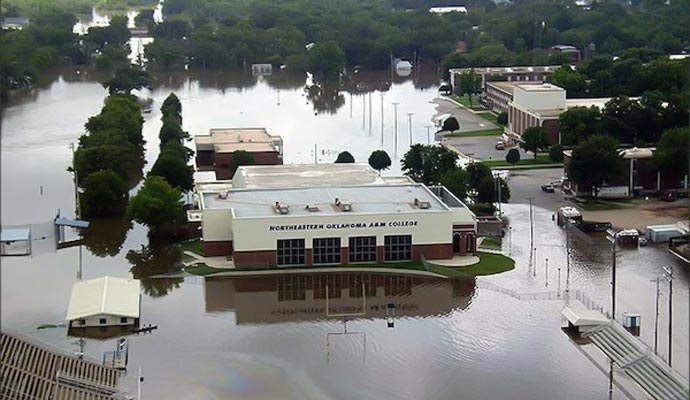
column 565, row 47
column 106, row 295
column 241, row 138
column 580, row 316
column 371, row 199
column 73, row 223
column 637, row 154
column 540, row 87
column 15, row 234
column 447, row 9
column 252, row 147
column 508, row 70
column 599, row 102
column 305, row 175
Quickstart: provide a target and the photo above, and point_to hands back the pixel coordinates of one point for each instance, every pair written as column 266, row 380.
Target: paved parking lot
column 480, row 147
column 468, row 121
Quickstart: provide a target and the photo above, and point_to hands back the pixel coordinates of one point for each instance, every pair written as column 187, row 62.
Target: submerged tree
column 344, row 157
column 156, row 203
column 379, row 160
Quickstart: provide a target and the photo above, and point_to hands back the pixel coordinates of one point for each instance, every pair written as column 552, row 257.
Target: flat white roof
column 15, row 234
column 580, row 316
column 230, row 139
column 304, row 175
column 540, row 87
column 374, row 199
column 104, row 296
column 446, row 9
column 505, row 70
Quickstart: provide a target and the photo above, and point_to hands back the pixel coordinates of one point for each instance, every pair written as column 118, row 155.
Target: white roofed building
column 103, row 302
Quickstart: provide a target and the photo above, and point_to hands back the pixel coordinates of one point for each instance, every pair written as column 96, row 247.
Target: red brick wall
column 249, row 259
column 223, row 160
column 219, row 248
column 552, row 129
column 344, row 255
column 433, row 251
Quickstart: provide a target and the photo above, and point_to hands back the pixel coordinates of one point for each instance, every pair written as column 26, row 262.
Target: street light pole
column 656, row 317
column 77, row 205
column 369, row 113
column 669, row 276
column 567, row 255
column 409, row 125
column 546, row 274
column 428, row 135
column 395, row 125
column 381, row 94
column 612, row 237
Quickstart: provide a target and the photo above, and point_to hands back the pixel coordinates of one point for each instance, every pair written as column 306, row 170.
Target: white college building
column 308, row 215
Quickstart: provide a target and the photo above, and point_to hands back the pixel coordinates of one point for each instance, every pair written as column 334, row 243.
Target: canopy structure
column 104, row 296
column 584, row 319
column 72, row 223
column 15, row 241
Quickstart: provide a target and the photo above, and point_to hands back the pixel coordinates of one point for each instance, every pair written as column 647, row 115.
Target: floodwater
column 272, row 337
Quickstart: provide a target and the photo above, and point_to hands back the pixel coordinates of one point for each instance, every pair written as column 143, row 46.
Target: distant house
column 571, row 51
column 104, row 302
column 12, row 23
column 447, row 9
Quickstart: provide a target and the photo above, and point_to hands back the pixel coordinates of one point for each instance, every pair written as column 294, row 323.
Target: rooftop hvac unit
column 312, row 208
column 423, row 204
column 345, row 206
column 223, row 195
column 282, row 208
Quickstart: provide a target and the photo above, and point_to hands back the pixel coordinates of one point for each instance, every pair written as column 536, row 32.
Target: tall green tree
column 578, row 123
column 379, row 160
column 457, row 181
column 596, row 161
column 326, row 60
column 104, row 194
column 427, row 164
column 344, row 157
column 450, row 124
column 513, row 156
column 671, row 152
column 174, row 169
column 127, row 79
column 156, row 203
column 533, row 139
column 470, row 84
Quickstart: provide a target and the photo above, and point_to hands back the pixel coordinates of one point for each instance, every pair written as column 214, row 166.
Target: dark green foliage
column 533, row 139
column 556, row 153
column 487, row 191
column 572, row 81
column 105, row 157
column 344, row 157
column 174, row 170
column 457, row 181
column 241, row 157
column 671, row 152
column 115, row 34
column 513, row 156
column 450, row 124
column 127, row 79
column 578, row 123
column 326, row 60
column 469, row 84
column 104, row 194
column 502, row 118
column 171, row 131
column 427, row 164
column 156, row 203
column 594, row 161
column 379, row 160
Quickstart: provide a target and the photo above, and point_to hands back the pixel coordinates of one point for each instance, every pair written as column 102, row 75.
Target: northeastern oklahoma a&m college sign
column 346, row 225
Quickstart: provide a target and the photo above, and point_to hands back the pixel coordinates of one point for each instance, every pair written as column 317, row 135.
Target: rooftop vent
column 344, row 206
column 422, row 204
column 312, row 208
column 282, row 208
column 223, row 195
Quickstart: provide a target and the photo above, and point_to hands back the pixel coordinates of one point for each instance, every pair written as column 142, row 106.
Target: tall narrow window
column 291, row 252
column 362, row 249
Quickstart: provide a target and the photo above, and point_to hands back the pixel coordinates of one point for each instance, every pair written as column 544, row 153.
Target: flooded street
column 274, row 337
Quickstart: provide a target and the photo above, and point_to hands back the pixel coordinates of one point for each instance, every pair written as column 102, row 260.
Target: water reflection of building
column 302, row 297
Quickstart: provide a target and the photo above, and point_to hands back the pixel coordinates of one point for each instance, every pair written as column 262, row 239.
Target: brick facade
column 220, row 248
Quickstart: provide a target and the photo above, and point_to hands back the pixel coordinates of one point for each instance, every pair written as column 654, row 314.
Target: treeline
column 109, row 159
column 159, row 201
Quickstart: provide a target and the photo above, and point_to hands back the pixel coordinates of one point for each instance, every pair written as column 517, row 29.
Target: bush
column 450, row 124
column 344, row 158
column 483, row 208
column 513, row 156
column 556, row 153
column 502, row 118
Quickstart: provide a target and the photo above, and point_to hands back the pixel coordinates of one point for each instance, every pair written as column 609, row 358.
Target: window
column 398, row 248
column 123, row 320
column 326, row 251
column 82, row 322
column 363, row 249
column 102, row 321
column 291, row 252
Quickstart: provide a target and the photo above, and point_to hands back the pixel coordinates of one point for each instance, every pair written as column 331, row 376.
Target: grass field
column 489, row 264
column 489, row 116
column 491, row 243
column 483, row 132
column 465, row 101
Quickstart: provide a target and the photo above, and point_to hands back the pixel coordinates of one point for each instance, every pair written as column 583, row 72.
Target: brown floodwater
column 273, row 337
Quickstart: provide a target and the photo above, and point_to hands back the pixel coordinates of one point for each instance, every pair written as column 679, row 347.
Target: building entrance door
column 456, row 243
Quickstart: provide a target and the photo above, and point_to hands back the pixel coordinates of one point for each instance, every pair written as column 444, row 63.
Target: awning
column 73, row 223
column 15, row 234
column 579, row 316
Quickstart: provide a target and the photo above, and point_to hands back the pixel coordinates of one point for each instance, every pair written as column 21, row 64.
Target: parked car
column 548, row 188
column 500, row 145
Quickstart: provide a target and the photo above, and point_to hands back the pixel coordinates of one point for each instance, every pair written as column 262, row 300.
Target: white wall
column 216, row 225
column 539, row 99
column 96, row 321
column 432, row 227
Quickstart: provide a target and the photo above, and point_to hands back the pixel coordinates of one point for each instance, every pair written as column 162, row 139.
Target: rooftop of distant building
column 232, row 139
column 306, row 175
column 508, row 70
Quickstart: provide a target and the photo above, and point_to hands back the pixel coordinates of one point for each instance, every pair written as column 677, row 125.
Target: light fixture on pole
column 668, row 274
column 395, row 125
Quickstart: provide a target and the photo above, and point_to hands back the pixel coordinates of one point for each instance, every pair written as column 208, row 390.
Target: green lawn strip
column 491, row 243
column 195, row 246
column 542, row 159
column 465, row 101
column 204, row 270
column 489, row 264
column 483, row 132
column 489, row 116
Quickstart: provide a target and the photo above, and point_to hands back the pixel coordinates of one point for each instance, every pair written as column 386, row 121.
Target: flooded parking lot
column 274, row 337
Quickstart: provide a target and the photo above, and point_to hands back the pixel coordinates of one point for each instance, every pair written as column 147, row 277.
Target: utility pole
column 612, row 237
column 498, row 189
column 350, row 104
column 567, row 255
column 364, row 111
column 140, row 379
column 381, row 94
column 316, row 156
column 559, row 281
column 546, row 274
column 77, row 204
column 395, row 106
column 669, row 277
column 369, row 113
column 531, row 233
column 656, row 316
column 534, row 270
column 409, row 125
column 428, row 135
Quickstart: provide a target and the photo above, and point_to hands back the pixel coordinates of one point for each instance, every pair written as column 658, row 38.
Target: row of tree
column 109, row 158
column 159, row 201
